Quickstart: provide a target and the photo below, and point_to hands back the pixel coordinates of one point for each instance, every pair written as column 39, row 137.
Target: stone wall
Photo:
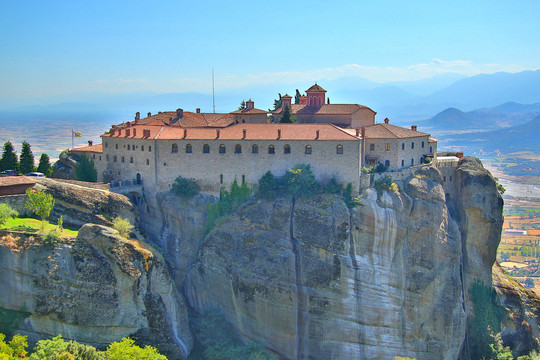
column 400, row 151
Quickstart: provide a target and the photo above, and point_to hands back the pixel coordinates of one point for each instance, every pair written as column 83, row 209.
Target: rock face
column 313, row 279
column 97, row 289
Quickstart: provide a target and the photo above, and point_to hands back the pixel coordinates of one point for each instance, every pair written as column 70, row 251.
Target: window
column 254, row 149
column 238, row 149
column 129, row 147
column 308, row 149
column 387, row 163
column 117, row 146
column 147, row 162
column 222, row 151
column 206, row 149
column 402, row 163
column 94, row 156
column 339, row 149
column 99, row 157
column 189, row 149
column 142, row 147
column 106, row 144
column 371, row 147
column 221, row 179
column 450, row 178
column 412, row 145
column 149, row 148
column 123, row 160
column 115, row 158
column 444, row 178
column 174, row 148
column 422, row 144
column 107, row 157
column 431, row 149
column 403, row 146
column 286, row 149
column 387, row 147
column 412, row 161
column 131, row 160
column 271, row 149
column 243, row 179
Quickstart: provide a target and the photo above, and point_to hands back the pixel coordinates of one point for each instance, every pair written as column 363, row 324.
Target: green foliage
column 40, row 203
column 300, row 182
column 9, row 158
column 428, row 159
column 268, row 187
column 242, row 105
column 219, row 340
column 6, row 212
column 287, row 117
column 50, row 349
column 383, row 184
column 185, row 188
column 26, row 163
column 61, row 223
column 347, row 196
column 15, row 349
column 44, row 165
column 85, row 170
column 380, row 168
column 127, row 350
column 123, row 226
column 333, row 186
column 51, row 238
column 487, row 318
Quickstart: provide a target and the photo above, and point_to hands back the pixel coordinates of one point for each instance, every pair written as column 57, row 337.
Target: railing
column 119, row 184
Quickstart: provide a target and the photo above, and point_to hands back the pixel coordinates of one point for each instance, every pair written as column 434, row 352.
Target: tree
column 185, row 188
column 242, row 105
column 123, row 226
column 9, row 158
column 15, row 349
column 300, row 181
column 45, row 165
column 40, row 203
column 287, row 117
column 26, row 163
column 127, row 350
column 6, row 212
column 85, row 170
column 297, row 97
column 268, row 186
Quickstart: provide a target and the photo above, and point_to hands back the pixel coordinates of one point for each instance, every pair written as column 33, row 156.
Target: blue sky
column 64, row 47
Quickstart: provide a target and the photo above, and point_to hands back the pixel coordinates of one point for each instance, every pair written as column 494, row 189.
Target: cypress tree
column 45, row 165
column 287, row 117
column 86, row 171
column 26, row 164
column 9, row 158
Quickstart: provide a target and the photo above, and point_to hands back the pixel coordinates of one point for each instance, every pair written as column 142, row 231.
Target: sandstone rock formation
column 96, row 290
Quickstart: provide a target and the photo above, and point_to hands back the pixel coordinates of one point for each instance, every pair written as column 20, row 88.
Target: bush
column 382, row 184
column 6, row 212
column 380, row 168
column 300, row 182
column 126, row 349
column 15, row 349
column 51, row 238
column 333, row 186
column 123, row 226
column 185, row 188
column 269, row 187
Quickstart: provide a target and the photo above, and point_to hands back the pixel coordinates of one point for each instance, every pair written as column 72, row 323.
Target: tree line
column 24, row 164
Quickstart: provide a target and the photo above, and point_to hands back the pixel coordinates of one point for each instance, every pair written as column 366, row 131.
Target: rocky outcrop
column 313, row 279
column 96, row 290
column 64, row 168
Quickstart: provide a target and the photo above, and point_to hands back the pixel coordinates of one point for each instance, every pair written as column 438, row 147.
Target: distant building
column 15, row 185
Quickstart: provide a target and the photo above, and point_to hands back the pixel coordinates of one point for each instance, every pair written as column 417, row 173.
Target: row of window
column 387, row 146
column 254, row 149
column 131, row 147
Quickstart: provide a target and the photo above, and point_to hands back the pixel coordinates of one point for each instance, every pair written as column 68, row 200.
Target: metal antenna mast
column 213, row 95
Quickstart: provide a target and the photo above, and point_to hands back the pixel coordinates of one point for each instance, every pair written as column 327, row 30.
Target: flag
column 76, row 133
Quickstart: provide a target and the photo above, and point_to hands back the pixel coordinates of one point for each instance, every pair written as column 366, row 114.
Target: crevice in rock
column 300, row 296
column 356, row 287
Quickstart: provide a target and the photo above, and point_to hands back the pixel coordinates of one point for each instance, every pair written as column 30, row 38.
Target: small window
column 339, row 149
column 107, row 157
column 431, row 149
column 206, row 149
column 221, row 179
column 403, row 146
column 444, row 178
column 371, row 147
column 238, row 149
column 412, row 145
column 115, row 158
column 149, row 148
column 402, row 163
column 147, row 162
column 116, row 146
column 222, row 151
column 189, row 149
column 94, row 156
column 422, row 144
column 123, row 160
column 286, row 149
column 129, row 147
column 387, row 163
column 450, row 178
column 254, row 149
column 271, row 149
column 387, row 147
column 142, row 147
column 174, row 148
column 243, row 179
column 106, row 144
column 308, row 149
column 131, row 160
column 412, row 161
column 99, row 157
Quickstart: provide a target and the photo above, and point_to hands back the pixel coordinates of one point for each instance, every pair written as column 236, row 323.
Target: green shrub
column 333, row 186
column 40, row 203
column 380, row 168
column 6, row 212
column 15, row 349
column 268, row 187
column 347, row 196
column 11, row 320
column 85, row 170
column 123, row 226
column 126, row 349
column 300, row 182
column 51, row 238
column 382, row 184
column 185, row 188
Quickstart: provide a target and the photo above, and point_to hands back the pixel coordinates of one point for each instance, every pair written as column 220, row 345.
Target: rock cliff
column 96, row 290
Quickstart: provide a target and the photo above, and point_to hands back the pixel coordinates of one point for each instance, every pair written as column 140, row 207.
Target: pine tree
column 242, row 105
column 297, row 97
column 86, row 171
column 26, row 164
column 9, row 158
column 287, row 117
column 45, row 165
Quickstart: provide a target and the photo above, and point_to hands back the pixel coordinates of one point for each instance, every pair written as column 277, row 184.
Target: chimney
column 286, row 101
column 170, row 121
column 317, row 135
column 357, row 132
column 149, row 114
column 119, row 132
column 386, row 121
column 112, row 131
column 413, row 127
column 137, row 116
column 363, row 132
column 90, row 142
column 250, row 104
column 459, row 154
column 185, row 133
column 127, row 132
column 244, row 134
column 303, row 100
column 279, row 133
column 179, row 113
column 198, row 110
column 217, row 135
column 134, row 132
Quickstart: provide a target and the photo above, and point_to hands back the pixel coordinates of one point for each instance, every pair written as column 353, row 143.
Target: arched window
column 412, row 145
column 174, row 148
column 206, row 149
column 339, row 149
column 189, row 149
column 308, row 149
column 387, row 163
column 150, row 148
column 222, row 149
column 402, row 163
column 238, row 149
column 403, row 146
column 371, row 147
column 254, row 149
column 123, row 159
column 286, row 149
column 142, row 147
column 271, row 149
column 387, row 147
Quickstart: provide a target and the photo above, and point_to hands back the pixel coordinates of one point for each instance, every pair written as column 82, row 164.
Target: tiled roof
column 15, row 180
column 253, row 111
column 315, row 88
column 236, row 132
column 327, row 109
column 388, row 131
column 188, row 119
column 90, row 149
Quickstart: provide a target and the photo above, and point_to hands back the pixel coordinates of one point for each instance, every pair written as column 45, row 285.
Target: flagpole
column 72, row 143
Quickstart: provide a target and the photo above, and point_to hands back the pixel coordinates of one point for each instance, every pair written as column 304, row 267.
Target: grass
column 30, row 225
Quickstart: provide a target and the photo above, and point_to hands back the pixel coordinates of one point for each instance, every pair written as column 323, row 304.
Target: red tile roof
column 389, row 131
column 327, row 109
column 315, row 88
column 253, row 111
column 15, row 180
column 188, row 119
column 90, row 149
